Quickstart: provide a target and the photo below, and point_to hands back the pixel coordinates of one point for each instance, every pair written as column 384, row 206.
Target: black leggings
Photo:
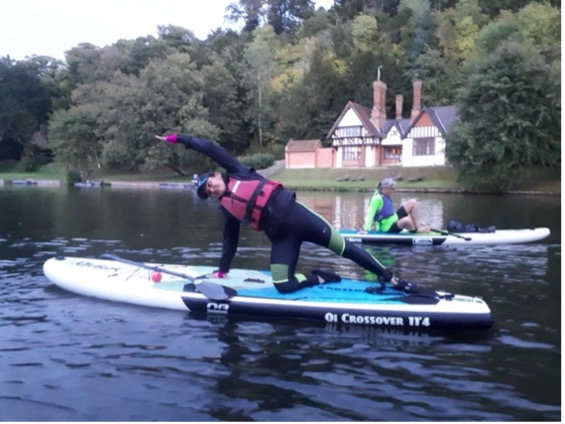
column 401, row 213
column 302, row 224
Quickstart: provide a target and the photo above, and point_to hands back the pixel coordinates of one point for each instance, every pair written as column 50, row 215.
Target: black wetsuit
column 286, row 222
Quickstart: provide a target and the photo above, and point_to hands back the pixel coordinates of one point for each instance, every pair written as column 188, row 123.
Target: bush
column 259, row 160
column 34, row 162
column 73, row 177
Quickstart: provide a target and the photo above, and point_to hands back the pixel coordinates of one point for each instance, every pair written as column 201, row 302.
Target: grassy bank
column 422, row 178
column 10, row 171
column 442, row 178
column 419, row 178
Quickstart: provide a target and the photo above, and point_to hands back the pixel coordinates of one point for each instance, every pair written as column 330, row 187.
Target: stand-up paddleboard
column 444, row 238
column 251, row 293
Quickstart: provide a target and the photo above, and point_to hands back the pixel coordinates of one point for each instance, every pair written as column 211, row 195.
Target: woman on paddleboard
column 247, row 197
column 382, row 215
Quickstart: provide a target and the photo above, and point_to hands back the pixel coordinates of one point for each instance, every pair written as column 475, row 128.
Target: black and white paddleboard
column 251, row 293
column 444, row 238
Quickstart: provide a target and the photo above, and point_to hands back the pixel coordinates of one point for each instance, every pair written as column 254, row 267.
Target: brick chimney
column 417, row 102
column 378, row 113
column 399, row 103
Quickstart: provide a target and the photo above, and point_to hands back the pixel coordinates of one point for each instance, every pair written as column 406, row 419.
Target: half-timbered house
column 363, row 137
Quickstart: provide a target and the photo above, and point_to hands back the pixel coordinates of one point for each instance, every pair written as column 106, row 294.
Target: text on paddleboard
column 347, row 318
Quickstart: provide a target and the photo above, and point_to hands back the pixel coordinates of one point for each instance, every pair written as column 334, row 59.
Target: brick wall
column 320, row 158
column 325, row 158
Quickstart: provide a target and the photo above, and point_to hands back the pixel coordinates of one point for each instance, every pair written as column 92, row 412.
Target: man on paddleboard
column 247, row 197
column 382, row 215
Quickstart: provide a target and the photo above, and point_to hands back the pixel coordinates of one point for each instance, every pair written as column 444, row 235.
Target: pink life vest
column 247, row 199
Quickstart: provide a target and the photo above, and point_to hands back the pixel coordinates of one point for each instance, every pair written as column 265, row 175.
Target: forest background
column 288, row 74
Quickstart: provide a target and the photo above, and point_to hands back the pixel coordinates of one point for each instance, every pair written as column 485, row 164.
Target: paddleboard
column 444, row 238
column 251, row 293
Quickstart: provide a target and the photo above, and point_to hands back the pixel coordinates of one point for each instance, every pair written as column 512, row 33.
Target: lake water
column 65, row 357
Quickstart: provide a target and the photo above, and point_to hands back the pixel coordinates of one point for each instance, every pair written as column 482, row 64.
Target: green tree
column 494, row 7
column 457, row 28
column 316, row 98
column 537, row 24
column 262, row 67
column 74, row 138
column 509, row 119
column 440, row 75
column 347, row 10
column 84, row 64
column 172, row 93
column 26, row 100
column 252, row 12
column 439, row 65
column 541, row 25
column 365, row 33
column 131, row 56
column 227, row 52
column 416, row 34
column 286, row 16
column 220, row 98
column 319, row 21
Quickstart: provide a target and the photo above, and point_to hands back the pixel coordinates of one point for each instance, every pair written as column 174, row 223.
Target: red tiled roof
column 303, row 145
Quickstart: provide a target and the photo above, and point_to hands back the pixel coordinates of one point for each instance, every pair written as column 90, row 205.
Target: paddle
column 215, row 291
column 211, row 290
column 448, row 233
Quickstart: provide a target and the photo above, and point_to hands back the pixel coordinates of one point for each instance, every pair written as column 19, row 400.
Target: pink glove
column 171, row 138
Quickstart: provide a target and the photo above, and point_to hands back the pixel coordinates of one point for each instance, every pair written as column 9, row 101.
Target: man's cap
column 387, row 182
column 201, row 185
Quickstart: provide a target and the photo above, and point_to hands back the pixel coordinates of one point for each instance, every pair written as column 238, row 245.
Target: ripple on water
column 523, row 344
column 72, row 358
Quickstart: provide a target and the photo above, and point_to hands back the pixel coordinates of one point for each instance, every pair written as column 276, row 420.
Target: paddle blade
column 215, row 291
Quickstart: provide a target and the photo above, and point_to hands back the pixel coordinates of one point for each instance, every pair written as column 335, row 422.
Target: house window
column 356, row 131
column 352, row 153
column 424, row 147
column 392, row 153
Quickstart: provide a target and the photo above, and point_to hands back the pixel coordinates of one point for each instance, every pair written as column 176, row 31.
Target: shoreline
column 188, row 186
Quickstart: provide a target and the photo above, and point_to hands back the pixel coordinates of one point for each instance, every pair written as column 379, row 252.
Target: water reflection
column 342, row 376
column 73, row 358
column 347, row 210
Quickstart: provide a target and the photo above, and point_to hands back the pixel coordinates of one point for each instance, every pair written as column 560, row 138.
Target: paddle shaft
column 211, row 290
column 447, row 233
column 142, row 265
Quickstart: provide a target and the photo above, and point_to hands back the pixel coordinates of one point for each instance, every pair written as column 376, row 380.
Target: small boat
column 175, row 185
column 88, row 183
column 24, row 182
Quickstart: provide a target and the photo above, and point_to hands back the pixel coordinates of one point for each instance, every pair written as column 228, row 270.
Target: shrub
column 259, row 160
column 73, row 177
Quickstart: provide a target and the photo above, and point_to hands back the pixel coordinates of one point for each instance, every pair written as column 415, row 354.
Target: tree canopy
column 288, row 74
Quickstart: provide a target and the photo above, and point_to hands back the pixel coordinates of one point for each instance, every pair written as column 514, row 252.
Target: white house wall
column 349, row 119
column 392, row 138
column 339, row 160
column 438, row 159
column 370, row 156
